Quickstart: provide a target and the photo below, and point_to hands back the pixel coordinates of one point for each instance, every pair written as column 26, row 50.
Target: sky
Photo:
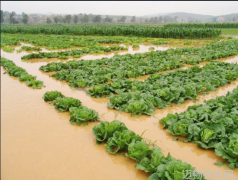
column 137, row 8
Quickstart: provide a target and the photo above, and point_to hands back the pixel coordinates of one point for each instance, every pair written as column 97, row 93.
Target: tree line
column 13, row 18
column 85, row 18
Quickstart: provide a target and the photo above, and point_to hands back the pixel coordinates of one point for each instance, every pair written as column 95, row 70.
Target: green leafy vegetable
column 13, row 70
column 105, row 130
column 52, row 95
column 82, row 114
column 64, row 103
column 211, row 126
column 35, row 84
column 138, row 150
column 120, row 141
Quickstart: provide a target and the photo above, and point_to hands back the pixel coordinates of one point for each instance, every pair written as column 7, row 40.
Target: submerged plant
column 82, row 115
column 52, row 95
column 13, row 70
column 64, row 103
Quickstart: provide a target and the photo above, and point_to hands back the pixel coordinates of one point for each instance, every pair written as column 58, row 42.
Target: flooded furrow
column 39, row 142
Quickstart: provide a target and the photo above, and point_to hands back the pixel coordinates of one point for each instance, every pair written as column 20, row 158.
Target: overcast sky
column 121, row 8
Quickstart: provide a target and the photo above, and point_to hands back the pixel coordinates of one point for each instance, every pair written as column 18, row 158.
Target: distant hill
column 153, row 15
column 187, row 16
column 191, row 17
column 181, row 15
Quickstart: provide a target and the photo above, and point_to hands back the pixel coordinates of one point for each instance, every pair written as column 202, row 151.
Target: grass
column 229, row 31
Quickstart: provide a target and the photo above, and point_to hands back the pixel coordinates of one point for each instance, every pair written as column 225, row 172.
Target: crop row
column 85, row 73
column 76, row 53
column 119, row 139
column 113, row 30
column 78, row 113
column 213, row 125
column 13, row 70
column 161, row 90
column 203, row 25
column 29, row 48
column 151, row 160
column 51, row 42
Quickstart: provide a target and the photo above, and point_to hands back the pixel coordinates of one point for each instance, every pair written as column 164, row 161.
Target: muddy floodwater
column 39, row 143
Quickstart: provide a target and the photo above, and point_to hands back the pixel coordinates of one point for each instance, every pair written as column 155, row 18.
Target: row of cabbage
column 119, row 139
column 85, row 73
column 78, row 113
column 161, row 90
column 202, row 25
column 151, row 160
column 76, row 53
column 52, row 42
column 13, row 70
column 85, row 50
column 113, row 30
column 213, row 125
column 29, row 48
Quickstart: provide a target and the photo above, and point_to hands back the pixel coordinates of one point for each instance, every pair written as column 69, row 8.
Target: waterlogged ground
column 39, row 142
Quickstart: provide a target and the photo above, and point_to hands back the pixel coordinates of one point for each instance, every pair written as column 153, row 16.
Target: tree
column 2, row 16
column 108, row 19
column 133, row 19
column 12, row 19
column 56, row 19
column 48, row 20
column 97, row 19
column 68, row 18
column 24, row 18
column 123, row 19
column 85, row 18
column 76, row 19
column 64, row 20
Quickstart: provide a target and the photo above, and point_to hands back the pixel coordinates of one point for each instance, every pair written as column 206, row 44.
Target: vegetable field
column 119, row 102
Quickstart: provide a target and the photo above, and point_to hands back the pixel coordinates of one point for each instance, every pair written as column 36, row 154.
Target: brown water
column 39, row 142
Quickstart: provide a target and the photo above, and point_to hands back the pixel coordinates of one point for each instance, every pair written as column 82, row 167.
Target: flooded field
column 39, row 142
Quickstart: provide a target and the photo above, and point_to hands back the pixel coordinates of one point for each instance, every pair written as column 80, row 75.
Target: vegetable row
column 29, row 48
column 13, row 70
column 151, row 160
column 52, row 42
column 213, row 125
column 161, row 90
column 76, row 53
column 119, row 139
column 78, row 113
column 85, row 73
column 113, row 30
